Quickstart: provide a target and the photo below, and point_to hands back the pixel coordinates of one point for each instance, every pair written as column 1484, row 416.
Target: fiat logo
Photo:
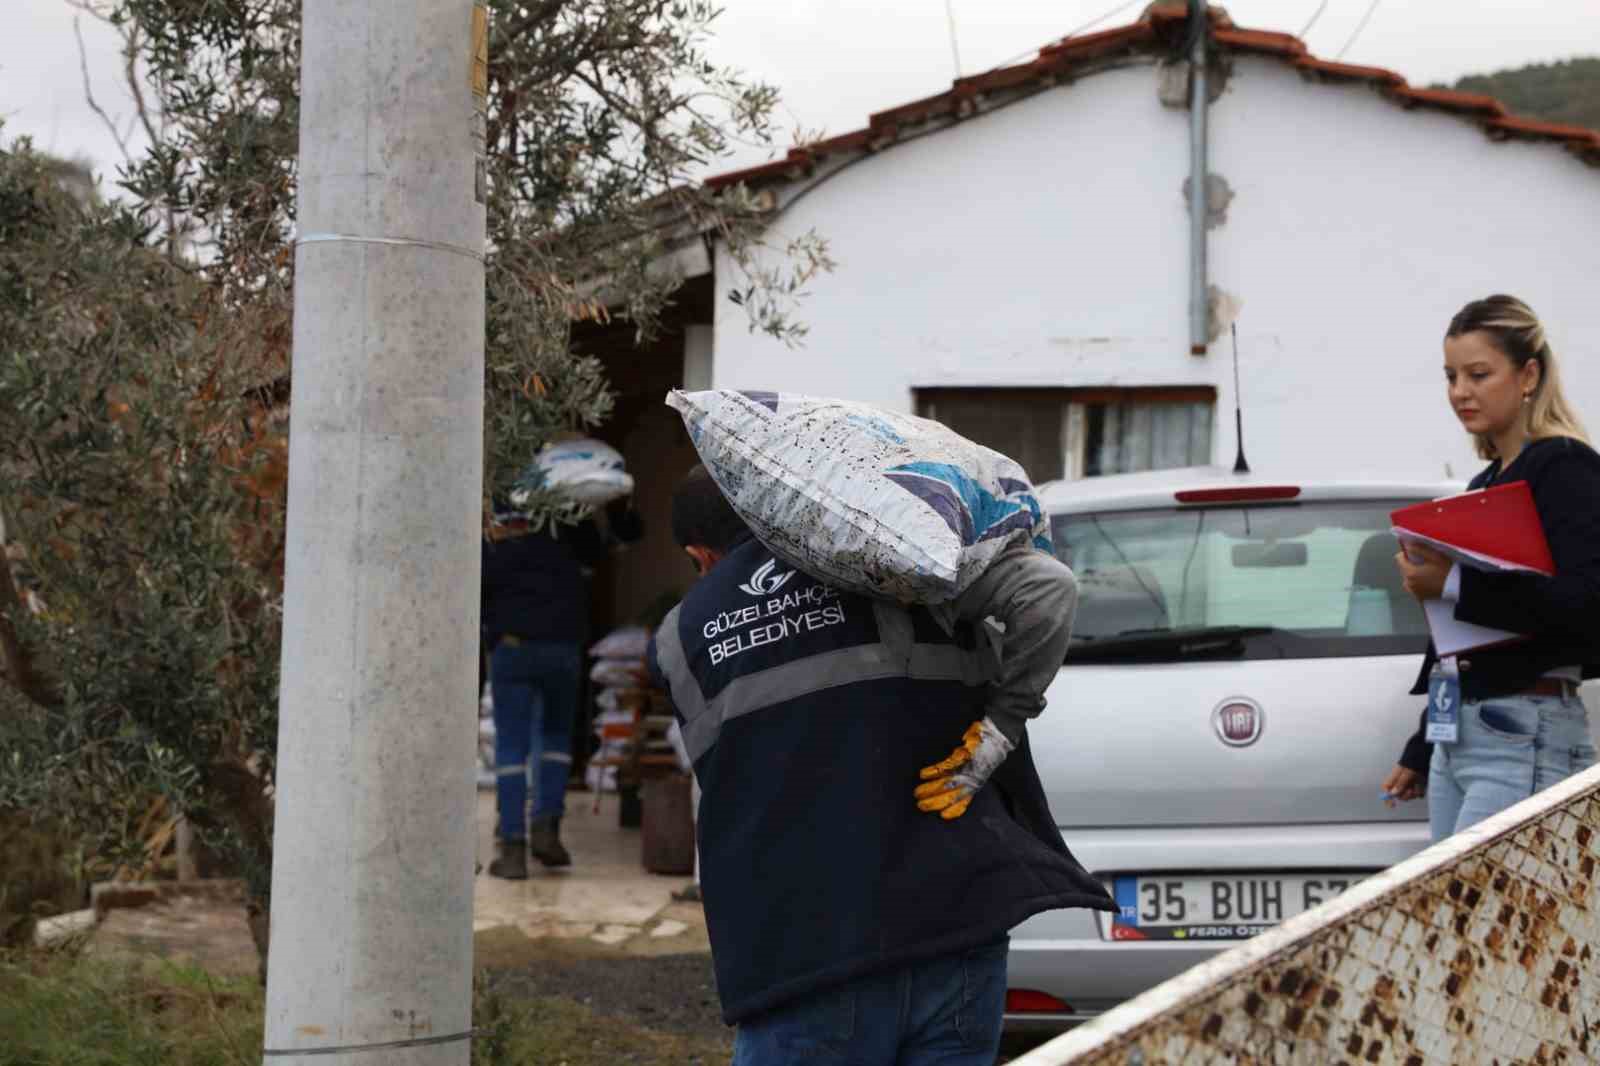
column 1237, row 722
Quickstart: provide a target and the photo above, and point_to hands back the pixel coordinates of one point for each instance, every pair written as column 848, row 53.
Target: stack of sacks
column 619, row 669
column 486, row 775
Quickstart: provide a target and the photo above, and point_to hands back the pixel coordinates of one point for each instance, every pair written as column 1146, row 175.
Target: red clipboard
column 1492, row 529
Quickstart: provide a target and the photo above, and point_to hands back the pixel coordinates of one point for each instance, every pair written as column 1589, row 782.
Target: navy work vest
column 807, row 713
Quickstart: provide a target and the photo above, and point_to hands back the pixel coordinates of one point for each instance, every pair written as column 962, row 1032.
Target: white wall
column 1358, row 229
column 1047, row 244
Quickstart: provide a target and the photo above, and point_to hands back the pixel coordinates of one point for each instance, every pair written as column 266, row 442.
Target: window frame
column 1072, row 403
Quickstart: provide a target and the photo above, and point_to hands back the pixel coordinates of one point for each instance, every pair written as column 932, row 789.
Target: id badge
column 1444, row 708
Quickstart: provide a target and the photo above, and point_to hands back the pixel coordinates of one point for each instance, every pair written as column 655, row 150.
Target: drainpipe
column 1199, row 201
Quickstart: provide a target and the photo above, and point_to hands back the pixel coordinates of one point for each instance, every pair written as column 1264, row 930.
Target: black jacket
column 533, row 583
column 1562, row 613
column 807, row 713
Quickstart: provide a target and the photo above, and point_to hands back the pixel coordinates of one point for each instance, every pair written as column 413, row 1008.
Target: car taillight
column 1029, row 1001
column 1243, row 494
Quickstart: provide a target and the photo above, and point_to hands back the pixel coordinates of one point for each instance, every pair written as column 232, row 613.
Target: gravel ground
column 669, row 993
column 672, row 995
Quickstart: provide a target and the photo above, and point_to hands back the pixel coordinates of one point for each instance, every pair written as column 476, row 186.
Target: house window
column 1074, row 433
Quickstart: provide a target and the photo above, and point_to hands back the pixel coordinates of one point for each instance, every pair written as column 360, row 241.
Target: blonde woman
column 1521, row 726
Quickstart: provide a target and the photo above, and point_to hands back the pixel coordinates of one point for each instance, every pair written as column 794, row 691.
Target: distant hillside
column 1567, row 92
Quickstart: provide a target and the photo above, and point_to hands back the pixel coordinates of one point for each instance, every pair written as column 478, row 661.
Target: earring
column 1527, row 397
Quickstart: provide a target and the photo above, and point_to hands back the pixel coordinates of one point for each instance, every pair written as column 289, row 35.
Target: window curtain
column 1141, row 436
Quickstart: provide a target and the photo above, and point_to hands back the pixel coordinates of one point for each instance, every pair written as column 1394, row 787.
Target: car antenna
column 1239, row 464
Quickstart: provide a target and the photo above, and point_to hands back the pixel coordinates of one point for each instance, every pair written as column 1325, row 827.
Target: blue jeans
column 1510, row 748
column 945, row 1012
column 535, row 681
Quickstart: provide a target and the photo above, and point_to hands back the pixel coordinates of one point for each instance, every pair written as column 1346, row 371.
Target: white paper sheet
column 1454, row 637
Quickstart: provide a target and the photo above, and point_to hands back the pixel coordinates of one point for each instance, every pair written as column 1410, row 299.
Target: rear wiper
column 1200, row 642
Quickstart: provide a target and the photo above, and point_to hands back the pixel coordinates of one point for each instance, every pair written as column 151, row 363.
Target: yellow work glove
column 948, row 786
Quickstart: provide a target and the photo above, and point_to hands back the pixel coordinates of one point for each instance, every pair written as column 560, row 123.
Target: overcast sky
column 836, row 61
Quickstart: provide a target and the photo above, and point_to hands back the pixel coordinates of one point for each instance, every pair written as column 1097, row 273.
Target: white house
column 1014, row 257
column 1028, row 231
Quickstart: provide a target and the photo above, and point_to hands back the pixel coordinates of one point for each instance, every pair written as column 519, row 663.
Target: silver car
column 1235, row 692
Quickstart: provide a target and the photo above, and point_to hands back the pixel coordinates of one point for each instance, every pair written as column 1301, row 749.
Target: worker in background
column 859, row 878
column 535, row 611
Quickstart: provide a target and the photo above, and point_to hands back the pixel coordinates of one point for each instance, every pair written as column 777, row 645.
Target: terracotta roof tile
column 1328, row 68
column 1159, row 30
column 1265, row 42
column 1450, row 100
column 1577, row 136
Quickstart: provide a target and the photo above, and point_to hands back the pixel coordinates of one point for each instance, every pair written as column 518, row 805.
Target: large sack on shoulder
column 584, row 470
column 886, row 504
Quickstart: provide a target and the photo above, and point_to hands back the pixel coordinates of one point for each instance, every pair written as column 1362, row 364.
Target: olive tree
column 145, row 356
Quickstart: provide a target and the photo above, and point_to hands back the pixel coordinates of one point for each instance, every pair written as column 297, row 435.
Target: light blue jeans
column 1510, row 748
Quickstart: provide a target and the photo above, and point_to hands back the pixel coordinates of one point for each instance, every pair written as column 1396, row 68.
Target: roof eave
column 1158, row 31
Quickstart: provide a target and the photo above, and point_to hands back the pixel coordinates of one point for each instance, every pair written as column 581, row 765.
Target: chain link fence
column 1479, row 950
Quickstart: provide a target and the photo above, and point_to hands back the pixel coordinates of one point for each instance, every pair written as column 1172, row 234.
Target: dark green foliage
column 144, row 354
column 1567, row 92
column 37, row 876
column 142, row 497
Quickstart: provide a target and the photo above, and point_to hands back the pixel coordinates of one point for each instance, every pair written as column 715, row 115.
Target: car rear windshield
column 1303, row 580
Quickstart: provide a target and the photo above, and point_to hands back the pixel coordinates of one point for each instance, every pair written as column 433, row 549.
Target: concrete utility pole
column 371, row 950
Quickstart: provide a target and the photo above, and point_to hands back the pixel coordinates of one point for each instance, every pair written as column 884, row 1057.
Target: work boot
column 544, row 840
column 512, row 865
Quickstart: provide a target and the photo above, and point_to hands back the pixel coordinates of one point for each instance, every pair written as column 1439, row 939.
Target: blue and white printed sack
column 885, row 504
column 586, row 471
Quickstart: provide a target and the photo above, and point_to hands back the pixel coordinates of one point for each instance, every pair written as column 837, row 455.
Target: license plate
column 1234, row 906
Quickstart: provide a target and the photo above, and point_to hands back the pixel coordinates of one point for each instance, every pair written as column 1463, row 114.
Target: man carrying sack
column 859, row 877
